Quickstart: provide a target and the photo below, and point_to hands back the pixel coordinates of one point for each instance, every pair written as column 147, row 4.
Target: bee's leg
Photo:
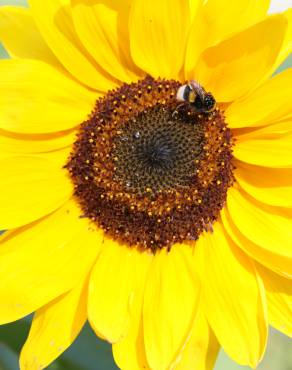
column 176, row 109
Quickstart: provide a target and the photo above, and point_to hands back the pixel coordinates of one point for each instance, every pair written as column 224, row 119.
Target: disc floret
column 149, row 175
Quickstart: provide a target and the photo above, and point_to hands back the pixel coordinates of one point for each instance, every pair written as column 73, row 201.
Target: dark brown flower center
column 156, row 150
column 148, row 174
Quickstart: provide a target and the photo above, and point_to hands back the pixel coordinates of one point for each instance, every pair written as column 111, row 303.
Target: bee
column 196, row 96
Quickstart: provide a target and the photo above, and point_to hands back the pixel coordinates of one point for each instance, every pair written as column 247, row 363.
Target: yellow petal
column 54, row 328
column 233, row 297
column 43, row 260
column 32, row 144
column 209, row 28
column 279, row 296
column 272, row 131
column 158, row 32
column 197, row 42
column 113, row 289
column 39, row 99
column 170, row 306
column 272, row 259
column 20, row 36
column 106, row 25
column 30, row 188
column 275, row 153
column 59, row 157
column 54, row 20
column 268, row 103
column 227, row 17
column 202, row 349
column 235, row 66
column 269, row 227
column 268, row 185
column 129, row 352
column 286, row 48
column 195, row 6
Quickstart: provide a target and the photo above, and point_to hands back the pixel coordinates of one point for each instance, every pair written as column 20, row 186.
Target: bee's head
column 205, row 103
column 209, row 102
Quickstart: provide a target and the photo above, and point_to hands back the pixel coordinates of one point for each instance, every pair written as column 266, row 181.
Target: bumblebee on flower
column 146, row 178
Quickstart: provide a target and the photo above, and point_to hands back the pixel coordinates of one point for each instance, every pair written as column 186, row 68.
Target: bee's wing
column 198, row 89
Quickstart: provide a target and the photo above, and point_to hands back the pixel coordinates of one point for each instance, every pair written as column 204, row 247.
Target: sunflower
column 166, row 224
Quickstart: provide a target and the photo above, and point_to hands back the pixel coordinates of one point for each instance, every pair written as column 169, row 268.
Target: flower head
column 146, row 178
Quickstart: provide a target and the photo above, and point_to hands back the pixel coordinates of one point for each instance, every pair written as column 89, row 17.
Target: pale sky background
column 280, row 5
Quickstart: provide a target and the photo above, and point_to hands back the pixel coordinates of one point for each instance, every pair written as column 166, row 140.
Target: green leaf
column 285, row 65
column 90, row 353
column 3, row 52
column 8, row 358
column 14, row 334
column 86, row 353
